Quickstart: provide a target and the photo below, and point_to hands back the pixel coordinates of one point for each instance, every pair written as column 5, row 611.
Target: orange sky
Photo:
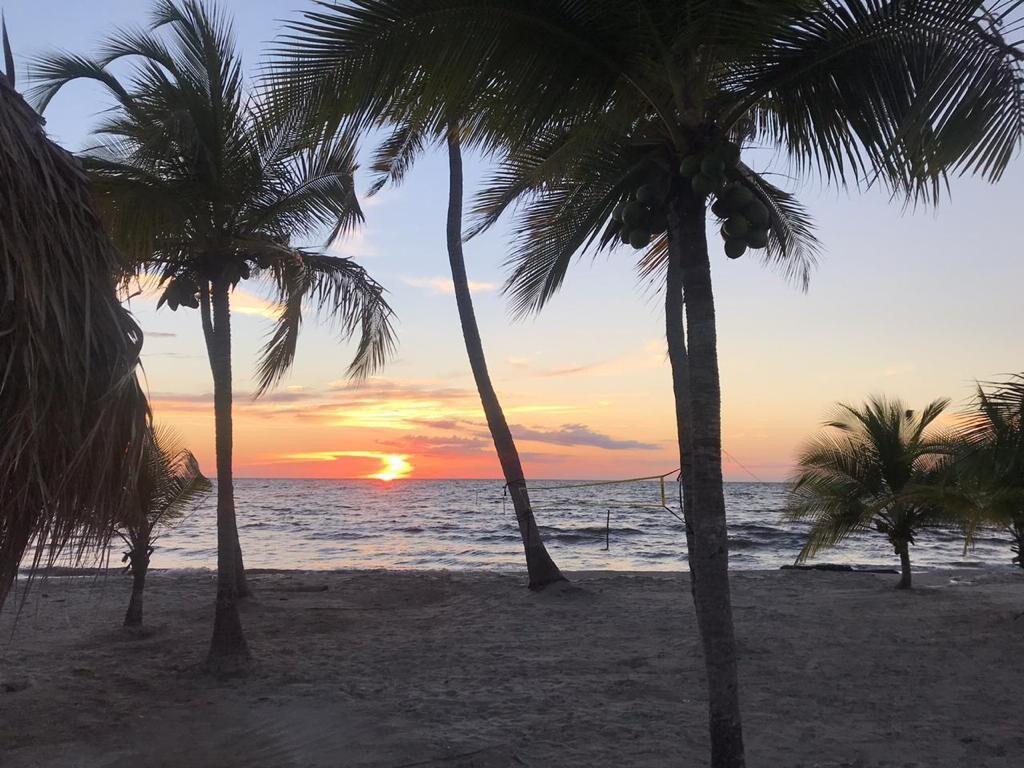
column 908, row 303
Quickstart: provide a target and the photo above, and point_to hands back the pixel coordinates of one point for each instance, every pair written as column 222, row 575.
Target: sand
column 374, row 668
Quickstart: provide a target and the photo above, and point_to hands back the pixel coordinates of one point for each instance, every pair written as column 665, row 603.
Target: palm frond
column 342, row 293
column 71, row 410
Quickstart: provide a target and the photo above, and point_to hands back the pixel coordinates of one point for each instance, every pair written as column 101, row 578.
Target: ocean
column 467, row 524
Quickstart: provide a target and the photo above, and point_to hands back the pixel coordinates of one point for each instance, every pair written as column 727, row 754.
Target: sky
column 911, row 304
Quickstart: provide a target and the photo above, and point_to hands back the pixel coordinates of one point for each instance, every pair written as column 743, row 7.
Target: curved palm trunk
column 228, row 649
column 541, row 568
column 139, row 557
column 241, row 584
column 709, row 546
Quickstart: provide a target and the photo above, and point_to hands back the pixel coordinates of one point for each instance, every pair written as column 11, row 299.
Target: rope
column 605, row 482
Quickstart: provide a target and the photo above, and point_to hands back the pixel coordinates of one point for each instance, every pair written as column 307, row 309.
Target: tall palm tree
column 169, row 484
column 71, row 410
column 987, row 478
column 867, row 471
column 604, row 98
column 392, row 162
column 204, row 184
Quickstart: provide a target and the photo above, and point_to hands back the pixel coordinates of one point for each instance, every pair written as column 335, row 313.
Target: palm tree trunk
column 905, row 576
column 228, row 649
column 709, row 550
column 1017, row 530
column 541, row 568
column 139, row 558
column 675, row 336
column 242, row 585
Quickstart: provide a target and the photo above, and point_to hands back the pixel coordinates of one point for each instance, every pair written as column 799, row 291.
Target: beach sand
column 374, row 668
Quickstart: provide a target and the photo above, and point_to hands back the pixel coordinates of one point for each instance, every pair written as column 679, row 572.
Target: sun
column 396, row 466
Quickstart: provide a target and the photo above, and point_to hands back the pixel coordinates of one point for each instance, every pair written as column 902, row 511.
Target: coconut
column 617, row 211
column 690, row 166
column 722, row 209
column 639, row 238
column 757, row 238
column 705, row 185
column 712, row 165
column 737, row 196
column 735, row 247
column 729, row 153
column 191, row 301
column 263, row 261
column 756, row 213
column 631, row 214
column 624, row 233
column 736, row 226
column 645, row 193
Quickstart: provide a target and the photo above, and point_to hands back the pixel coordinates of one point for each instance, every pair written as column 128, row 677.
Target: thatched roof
column 70, row 405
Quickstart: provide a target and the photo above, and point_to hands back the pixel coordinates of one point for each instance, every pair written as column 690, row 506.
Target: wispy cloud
column 444, row 285
column 579, row 434
column 356, row 244
column 160, row 335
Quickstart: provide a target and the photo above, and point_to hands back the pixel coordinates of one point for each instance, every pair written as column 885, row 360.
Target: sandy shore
column 394, row 669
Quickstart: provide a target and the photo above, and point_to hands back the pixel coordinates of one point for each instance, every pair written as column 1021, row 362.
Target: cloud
column 579, row 434
column 355, row 244
column 451, row 445
column 444, row 285
column 160, row 335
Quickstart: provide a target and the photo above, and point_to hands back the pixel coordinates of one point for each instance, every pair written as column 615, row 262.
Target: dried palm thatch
column 71, row 409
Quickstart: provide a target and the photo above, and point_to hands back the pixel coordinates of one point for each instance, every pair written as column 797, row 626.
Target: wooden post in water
column 607, row 530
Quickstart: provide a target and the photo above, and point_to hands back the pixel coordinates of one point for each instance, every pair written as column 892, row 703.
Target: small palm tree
column 987, row 474
column 204, row 184
column 71, row 410
column 168, row 485
column 867, row 471
column 621, row 119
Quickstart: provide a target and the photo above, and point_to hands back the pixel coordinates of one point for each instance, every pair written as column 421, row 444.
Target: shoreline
column 825, row 567
column 377, row 669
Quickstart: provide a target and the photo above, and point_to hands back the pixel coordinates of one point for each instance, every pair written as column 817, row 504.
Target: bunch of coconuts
column 745, row 218
column 642, row 218
column 183, row 290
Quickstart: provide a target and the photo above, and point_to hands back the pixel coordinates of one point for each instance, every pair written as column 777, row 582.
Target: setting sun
column 395, row 467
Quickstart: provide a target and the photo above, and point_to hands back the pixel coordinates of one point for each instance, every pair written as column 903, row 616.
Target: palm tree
column 168, row 485
column 601, row 99
column 987, row 477
column 868, row 471
column 204, row 185
column 392, row 162
column 71, row 410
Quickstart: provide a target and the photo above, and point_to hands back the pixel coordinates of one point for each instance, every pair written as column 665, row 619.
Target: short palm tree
column 204, row 184
column 868, row 470
column 620, row 119
column 168, row 485
column 987, row 474
column 71, row 410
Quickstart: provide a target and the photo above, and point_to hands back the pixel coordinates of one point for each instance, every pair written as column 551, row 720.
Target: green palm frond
column 338, row 289
column 396, row 154
column 903, row 92
column 169, row 485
